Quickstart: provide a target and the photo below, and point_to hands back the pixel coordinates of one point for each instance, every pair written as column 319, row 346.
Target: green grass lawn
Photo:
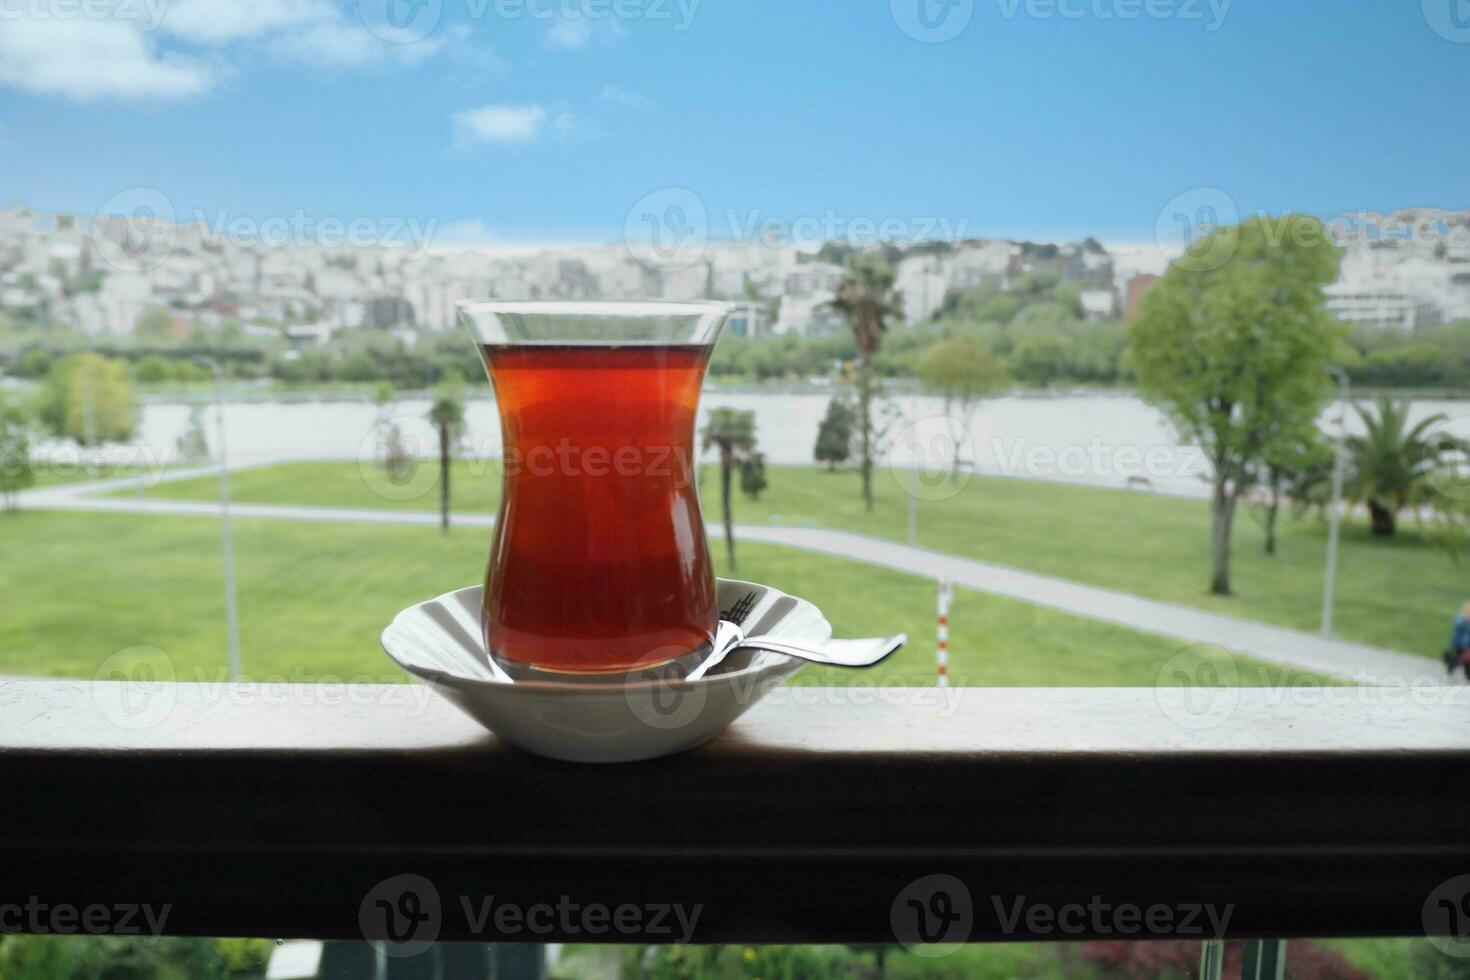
column 1399, row 593
column 54, row 474
column 313, row 598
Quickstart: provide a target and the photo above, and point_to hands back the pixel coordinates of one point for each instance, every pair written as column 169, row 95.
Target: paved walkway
column 1275, row 644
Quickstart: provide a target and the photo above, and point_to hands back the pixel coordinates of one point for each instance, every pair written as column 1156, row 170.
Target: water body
column 1099, row 439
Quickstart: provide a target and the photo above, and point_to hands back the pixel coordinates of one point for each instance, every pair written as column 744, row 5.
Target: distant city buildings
column 100, row 275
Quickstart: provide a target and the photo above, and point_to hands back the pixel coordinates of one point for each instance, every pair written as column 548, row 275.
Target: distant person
column 1458, row 655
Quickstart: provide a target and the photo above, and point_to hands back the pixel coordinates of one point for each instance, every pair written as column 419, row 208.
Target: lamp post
column 227, row 541
column 1334, row 517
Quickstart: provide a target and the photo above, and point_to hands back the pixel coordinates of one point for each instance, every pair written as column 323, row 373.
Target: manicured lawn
column 54, row 474
column 1399, row 593
column 313, row 597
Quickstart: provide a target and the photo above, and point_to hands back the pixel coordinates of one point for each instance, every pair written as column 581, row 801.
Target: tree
column 962, row 371
column 867, row 299
column 88, row 397
column 447, row 414
column 15, row 453
column 753, row 475
column 1392, row 462
column 834, row 435
column 1040, row 358
column 154, row 325
column 1233, row 345
column 1295, row 471
column 193, row 444
column 732, row 431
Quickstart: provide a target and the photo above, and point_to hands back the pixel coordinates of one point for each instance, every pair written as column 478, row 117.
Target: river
column 1101, row 439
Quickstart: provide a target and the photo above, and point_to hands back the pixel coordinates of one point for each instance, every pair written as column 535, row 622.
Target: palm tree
column 1392, row 461
column 867, row 299
column 447, row 415
column 733, row 432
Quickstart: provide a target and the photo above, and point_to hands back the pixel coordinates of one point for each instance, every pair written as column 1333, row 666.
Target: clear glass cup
column 599, row 562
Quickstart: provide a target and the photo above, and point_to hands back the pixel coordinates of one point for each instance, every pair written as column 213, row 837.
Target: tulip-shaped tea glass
column 599, row 562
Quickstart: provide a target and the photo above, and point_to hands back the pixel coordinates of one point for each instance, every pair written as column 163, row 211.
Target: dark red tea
column 599, row 560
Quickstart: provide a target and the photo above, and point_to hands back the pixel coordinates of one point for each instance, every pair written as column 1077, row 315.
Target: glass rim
column 598, row 307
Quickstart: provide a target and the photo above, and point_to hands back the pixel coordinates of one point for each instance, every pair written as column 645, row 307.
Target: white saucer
column 620, row 718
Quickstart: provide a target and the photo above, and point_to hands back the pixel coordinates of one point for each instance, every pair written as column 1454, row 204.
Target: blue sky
column 513, row 121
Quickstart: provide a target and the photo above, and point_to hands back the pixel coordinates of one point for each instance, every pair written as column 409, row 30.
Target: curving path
column 1275, row 644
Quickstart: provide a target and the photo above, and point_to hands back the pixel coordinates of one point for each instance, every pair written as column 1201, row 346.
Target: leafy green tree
column 1040, row 359
column 34, row 363
column 88, row 397
column 834, row 434
column 732, row 432
column 154, row 369
column 154, row 325
column 963, row 373
column 753, row 475
column 1296, row 472
column 15, row 453
column 1393, row 461
column 193, row 444
column 867, row 299
column 447, row 414
column 1233, row 345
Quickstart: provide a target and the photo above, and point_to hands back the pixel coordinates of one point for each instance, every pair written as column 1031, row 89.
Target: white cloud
column 88, row 59
column 337, row 44
column 462, row 48
column 574, row 33
column 501, row 124
column 470, row 231
column 175, row 49
column 615, row 95
column 219, row 21
column 570, row 33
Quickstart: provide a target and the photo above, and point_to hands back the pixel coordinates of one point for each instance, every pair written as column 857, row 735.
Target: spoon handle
column 834, row 653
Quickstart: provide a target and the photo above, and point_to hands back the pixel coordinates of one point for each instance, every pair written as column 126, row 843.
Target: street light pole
column 913, row 472
column 1334, row 516
column 227, row 540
